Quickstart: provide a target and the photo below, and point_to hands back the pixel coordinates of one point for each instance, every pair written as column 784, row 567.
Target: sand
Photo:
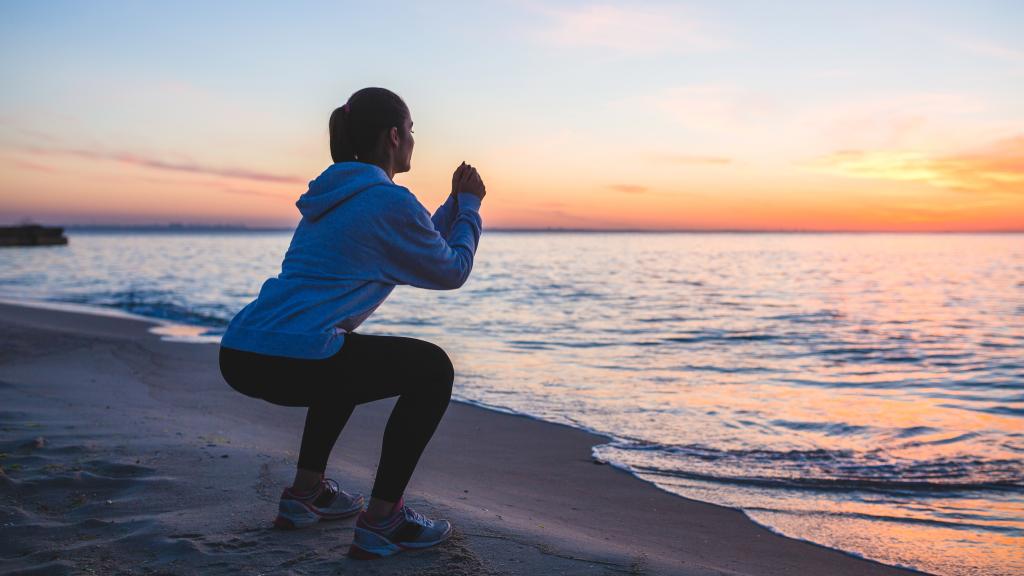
column 126, row 454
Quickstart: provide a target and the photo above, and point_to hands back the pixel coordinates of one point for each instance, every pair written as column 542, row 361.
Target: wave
column 712, row 337
column 890, row 484
column 820, row 317
column 818, row 469
column 957, row 525
column 156, row 304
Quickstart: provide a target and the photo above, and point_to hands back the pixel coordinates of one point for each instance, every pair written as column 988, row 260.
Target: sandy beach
column 126, row 454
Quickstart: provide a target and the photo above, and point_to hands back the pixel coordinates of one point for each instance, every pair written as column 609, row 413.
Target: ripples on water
column 861, row 391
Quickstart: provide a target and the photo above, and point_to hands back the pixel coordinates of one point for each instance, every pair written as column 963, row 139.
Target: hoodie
column 360, row 235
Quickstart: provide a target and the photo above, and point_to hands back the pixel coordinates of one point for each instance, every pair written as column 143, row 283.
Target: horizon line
column 174, row 226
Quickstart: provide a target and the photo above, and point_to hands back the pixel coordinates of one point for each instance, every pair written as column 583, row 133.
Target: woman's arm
column 445, row 214
column 416, row 253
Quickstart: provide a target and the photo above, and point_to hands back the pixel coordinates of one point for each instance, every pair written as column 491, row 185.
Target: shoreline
column 657, row 536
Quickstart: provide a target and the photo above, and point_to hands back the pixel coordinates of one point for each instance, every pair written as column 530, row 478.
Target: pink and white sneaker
column 325, row 502
column 405, row 529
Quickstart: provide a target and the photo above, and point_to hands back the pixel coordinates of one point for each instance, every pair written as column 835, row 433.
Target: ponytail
column 341, row 148
column 355, row 128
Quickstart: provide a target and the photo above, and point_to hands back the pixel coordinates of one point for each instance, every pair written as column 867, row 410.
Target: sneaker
column 325, row 502
column 406, row 529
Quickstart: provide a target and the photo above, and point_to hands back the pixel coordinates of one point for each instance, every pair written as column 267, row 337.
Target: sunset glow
column 703, row 116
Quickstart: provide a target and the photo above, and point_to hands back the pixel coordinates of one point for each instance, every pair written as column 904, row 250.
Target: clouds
column 691, row 160
column 997, row 168
column 629, row 188
column 917, row 119
column 159, row 164
column 720, row 113
column 988, row 48
column 624, row 111
column 633, row 29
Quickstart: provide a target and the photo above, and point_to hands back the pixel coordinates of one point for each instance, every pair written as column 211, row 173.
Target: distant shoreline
column 187, row 228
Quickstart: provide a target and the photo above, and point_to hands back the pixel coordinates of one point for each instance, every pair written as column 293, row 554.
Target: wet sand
column 126, row 454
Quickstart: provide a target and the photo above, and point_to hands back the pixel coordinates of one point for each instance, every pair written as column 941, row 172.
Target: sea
column 861, row 391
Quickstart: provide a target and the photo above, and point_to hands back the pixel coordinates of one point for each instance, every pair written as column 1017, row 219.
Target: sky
column 717, row 115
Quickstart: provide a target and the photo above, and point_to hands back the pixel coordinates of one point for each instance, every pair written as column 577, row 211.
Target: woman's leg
column 324, row 423
column 367, row 368
column 421, row 374
column 289, row 382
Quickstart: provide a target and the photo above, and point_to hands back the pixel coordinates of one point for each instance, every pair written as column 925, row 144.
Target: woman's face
column 403, row 156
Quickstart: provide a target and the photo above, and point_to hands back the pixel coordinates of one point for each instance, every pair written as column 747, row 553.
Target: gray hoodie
column 360, row 236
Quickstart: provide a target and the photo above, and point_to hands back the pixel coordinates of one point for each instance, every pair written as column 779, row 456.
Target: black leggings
column 367, row 368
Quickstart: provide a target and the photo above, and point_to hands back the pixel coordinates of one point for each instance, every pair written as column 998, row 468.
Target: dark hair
column 355, row 128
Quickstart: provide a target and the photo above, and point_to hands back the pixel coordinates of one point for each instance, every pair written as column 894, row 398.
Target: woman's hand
column 457, row 178
column 466, row 179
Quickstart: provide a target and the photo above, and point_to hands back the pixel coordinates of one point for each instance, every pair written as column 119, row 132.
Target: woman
column 296, row 345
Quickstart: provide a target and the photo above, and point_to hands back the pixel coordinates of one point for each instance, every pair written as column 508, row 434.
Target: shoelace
column 328, row 484
column 414, row 516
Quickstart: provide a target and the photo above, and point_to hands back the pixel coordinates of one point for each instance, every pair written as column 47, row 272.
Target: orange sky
column 644, row 116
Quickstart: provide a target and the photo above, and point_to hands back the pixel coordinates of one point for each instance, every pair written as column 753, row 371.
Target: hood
column 338, row 183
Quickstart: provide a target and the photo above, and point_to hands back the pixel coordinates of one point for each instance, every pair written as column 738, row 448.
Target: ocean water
column 861, row 391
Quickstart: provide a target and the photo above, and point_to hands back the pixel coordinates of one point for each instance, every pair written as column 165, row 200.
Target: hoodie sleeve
column 418, row 255
column 445, row 215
